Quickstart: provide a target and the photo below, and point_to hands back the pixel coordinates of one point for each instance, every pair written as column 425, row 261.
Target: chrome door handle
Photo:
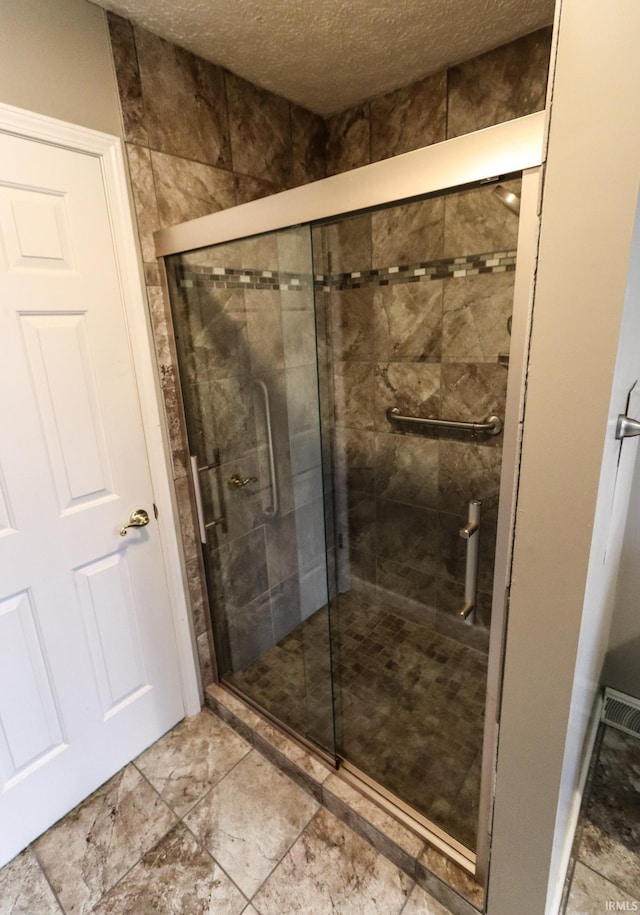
column 627, row 427
column 137, row 518
column 469, row 529
column 471, row 533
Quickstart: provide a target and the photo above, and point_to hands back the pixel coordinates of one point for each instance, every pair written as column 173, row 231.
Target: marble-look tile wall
column 432, row 347
column 199, row 139
column 503, row 84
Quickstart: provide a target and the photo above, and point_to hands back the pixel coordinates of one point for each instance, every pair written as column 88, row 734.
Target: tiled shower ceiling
column 328, row 55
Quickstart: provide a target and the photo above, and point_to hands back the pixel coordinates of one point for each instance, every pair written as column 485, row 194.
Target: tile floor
column 409, row 704
column 202, row 823
column 604, row 875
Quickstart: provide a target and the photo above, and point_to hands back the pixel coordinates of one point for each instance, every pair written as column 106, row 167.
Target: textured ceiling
column 328, row 55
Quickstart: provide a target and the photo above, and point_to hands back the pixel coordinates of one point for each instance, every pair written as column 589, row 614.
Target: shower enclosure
column 345, row 383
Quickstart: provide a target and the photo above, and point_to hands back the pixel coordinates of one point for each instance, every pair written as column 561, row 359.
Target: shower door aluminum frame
column 484, row 156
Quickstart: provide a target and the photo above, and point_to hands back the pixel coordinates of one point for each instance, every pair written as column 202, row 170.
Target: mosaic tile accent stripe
column 444, row 269
column 231, row 278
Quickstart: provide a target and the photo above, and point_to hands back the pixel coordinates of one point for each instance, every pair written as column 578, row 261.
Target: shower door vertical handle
column 198, row 496
column 471, row 533
column 272, row 511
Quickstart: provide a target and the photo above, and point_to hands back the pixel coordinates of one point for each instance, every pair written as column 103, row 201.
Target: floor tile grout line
column 129, row 869
column 250, row 747
column 346, row 826
column 409, row 895
column 220, row 780
column 201, row 845
column 32, row 849
column 217, row 784
column 181, row 818
column 146, row 852
column 290, row 846
column 178, row 820
column 126, row 874
column 613, row 883
column 120, row 771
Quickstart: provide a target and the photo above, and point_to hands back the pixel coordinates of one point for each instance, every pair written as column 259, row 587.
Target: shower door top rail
column 481, row 156
column 492, row 425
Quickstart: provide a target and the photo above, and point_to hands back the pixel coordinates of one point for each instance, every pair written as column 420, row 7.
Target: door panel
column 35, row 229
column 89, row 669
column 63, row 379
column 24, row 683
column 110, row 619
column 6, row 526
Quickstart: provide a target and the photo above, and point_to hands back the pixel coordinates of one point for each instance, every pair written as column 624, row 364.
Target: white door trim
column 109, row 150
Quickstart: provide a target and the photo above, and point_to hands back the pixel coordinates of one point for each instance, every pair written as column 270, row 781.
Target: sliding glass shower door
column 344, row 388
column 246, row 341
column 418, row 299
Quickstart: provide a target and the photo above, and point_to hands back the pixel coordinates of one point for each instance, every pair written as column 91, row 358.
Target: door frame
column 108, row 149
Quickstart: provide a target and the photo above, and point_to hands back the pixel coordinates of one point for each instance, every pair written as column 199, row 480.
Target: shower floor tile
column 409, row 704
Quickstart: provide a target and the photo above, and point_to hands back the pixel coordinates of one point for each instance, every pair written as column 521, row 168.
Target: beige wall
column 55, row 59
column 561, row 591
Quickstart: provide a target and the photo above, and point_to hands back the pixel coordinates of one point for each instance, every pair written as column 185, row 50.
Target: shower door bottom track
column 408, row 816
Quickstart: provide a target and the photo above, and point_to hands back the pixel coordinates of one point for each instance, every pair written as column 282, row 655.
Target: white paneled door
column 88, row 663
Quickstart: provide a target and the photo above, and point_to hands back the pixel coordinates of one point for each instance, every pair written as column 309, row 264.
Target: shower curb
column 435, row 873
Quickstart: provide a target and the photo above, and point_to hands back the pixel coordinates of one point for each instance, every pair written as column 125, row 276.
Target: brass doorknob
column 137, row 518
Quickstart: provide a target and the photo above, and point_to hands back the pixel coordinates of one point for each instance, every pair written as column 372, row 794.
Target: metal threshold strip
column 372, row 789
column 410, row 817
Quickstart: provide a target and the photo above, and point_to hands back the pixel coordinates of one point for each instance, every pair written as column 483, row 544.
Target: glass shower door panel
column 418, row 299
column 245, row 332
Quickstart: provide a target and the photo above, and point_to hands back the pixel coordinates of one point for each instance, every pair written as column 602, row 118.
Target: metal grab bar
column 272, row 511
column 492, row 425
column 471, row 533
